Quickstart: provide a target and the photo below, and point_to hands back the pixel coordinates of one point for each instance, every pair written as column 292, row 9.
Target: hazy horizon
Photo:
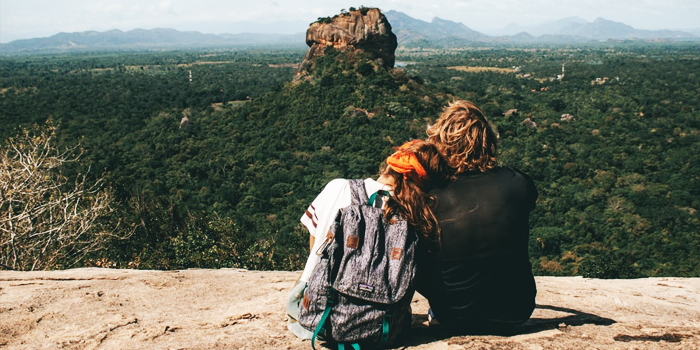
column 26, row 19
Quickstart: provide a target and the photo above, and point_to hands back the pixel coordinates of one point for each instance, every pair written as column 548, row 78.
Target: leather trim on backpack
column 305, row 301
column 353, row 242
column 396, row 253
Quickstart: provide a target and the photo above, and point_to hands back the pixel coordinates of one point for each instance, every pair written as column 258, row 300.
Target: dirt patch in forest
column 480, row 69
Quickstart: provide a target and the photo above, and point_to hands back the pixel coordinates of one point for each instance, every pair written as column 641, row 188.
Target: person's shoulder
column 337, row 183
column 336, row 186
column 334, row 191
column 524, row 179
column 512, row 172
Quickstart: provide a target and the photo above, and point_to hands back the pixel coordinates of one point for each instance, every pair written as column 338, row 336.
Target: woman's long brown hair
column 411, row 199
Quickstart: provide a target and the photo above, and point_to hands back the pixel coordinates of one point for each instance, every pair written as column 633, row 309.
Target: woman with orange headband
column 415, row 168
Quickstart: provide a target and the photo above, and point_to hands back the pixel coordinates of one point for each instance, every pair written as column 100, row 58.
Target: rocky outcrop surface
column 239, row 309
column 362, row 31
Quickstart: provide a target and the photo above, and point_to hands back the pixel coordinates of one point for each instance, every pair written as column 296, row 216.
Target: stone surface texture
column 96, row 308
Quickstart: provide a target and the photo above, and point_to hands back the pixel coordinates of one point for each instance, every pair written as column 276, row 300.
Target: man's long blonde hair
column 465, row 137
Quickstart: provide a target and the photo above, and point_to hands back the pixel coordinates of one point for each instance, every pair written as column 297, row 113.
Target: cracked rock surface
column 238, row 309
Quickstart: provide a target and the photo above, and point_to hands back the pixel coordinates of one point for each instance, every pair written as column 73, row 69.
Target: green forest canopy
column 612, row 145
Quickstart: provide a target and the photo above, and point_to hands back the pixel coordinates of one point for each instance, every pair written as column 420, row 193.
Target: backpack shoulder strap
column 359, row 194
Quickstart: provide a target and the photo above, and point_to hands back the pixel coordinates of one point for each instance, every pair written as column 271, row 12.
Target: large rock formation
column 364, row 31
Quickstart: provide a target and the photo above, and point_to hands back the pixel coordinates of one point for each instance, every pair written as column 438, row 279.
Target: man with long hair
column 479, row 278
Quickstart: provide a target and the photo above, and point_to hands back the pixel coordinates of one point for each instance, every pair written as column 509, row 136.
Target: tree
column 46, row 220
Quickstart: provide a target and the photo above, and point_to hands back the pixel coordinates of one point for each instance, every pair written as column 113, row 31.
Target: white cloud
column 165, row 6
column 105, row 8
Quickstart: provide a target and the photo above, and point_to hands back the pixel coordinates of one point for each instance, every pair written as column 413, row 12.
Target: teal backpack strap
column 382, row 343
column 385, row 330
column 329, row 305
column 372, row 198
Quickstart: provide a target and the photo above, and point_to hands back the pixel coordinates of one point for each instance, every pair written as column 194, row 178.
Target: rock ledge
column 239, row 309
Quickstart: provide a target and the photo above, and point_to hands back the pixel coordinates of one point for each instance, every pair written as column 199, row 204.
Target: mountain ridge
column 409, row 31
column 116, row 39
column 603, row 29
column 536, row 30
column 414, row 32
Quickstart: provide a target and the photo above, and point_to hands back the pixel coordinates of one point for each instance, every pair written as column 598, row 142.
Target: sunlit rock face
column 364, row 31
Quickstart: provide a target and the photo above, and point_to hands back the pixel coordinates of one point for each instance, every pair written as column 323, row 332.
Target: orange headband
column 405, row 162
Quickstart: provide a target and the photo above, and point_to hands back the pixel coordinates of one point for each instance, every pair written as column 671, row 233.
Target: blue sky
column 23, row 19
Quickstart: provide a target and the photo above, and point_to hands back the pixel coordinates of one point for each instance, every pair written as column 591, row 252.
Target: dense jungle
column 209, row 158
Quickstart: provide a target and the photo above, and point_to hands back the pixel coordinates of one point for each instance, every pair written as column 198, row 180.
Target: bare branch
column 45, row 222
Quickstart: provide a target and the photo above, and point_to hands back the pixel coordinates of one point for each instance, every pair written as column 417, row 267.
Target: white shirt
column 323, row 210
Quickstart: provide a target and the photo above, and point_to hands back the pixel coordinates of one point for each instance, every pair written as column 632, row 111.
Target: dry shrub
column 550, row 266
column 46, row 219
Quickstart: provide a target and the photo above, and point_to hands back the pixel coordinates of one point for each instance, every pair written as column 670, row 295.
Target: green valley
column 610, row 132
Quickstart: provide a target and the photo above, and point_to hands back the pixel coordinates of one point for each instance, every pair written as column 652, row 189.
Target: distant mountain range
column 548, row 28
column 410, row 32
column 161, row 38
column 600, row 29
column 439, row 32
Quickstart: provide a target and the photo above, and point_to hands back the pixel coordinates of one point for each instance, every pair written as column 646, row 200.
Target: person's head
column 415, row 168
column 466, row 138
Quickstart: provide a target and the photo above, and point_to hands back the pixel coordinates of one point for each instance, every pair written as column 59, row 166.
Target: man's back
column 482, row 273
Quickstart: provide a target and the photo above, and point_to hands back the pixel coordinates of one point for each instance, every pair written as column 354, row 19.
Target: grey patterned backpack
column 360, row 292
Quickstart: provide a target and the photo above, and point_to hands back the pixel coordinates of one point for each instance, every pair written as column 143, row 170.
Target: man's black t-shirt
column 482, row 272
